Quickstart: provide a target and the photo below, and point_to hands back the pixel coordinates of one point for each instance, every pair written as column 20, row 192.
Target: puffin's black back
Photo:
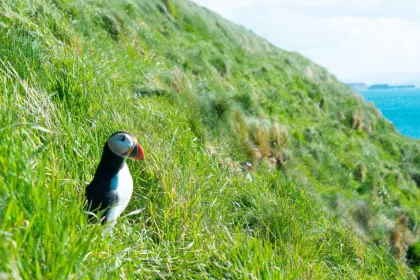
column 99, row 194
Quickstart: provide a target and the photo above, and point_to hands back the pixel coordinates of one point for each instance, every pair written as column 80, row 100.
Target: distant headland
column 387, row 86
column 363, row 86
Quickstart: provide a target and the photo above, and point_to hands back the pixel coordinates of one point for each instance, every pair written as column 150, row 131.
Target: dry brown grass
column 397, row 246
column 260, row 136
column 357, row 122
column 367, row 127
column 401, row 236
column 177, row 80
column 238, row 124
column 363, row 215
column 253, row 152
column 360, row 173
column 279, row 135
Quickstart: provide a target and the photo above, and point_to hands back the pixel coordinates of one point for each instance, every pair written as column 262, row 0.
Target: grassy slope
column 201, row 95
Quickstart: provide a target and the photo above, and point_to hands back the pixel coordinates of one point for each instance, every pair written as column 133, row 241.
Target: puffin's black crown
column 121, row 131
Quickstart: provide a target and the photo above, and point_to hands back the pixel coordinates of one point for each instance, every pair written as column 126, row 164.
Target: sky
column 356, row 40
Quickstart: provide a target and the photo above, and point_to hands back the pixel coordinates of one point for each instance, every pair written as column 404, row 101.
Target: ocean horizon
column 399, row 106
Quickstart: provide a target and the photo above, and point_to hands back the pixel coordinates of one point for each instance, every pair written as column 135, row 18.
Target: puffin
column 247, row 168
column 112, row 186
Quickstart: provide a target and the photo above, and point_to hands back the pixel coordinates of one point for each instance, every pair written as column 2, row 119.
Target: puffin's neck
column 109, row 165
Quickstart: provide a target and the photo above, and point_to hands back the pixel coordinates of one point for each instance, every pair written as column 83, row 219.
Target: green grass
column 201, row 95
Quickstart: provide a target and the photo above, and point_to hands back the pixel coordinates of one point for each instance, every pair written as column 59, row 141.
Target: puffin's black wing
column 98, row 199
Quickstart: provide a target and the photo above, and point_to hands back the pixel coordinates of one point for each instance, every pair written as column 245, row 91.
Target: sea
column 400, row 106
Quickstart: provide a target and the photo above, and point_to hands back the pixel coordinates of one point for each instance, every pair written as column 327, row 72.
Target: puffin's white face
column 125, row 145
column 247, row 166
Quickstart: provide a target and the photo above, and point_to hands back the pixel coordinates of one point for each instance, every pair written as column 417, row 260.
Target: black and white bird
column 112, row 186
column 247, row 168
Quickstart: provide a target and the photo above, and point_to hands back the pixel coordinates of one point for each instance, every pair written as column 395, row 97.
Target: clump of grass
column 246, row 101
column 149, row 91
column 179, row 82
column 260, row 136
column 360, row 173
column 221, row 65
column 367, row 128
column 413, row 255
column 401, row 236
column 363, row 215
column 397, row 246
column 112, row 24
column 357, row 122
column 170, row 7
column 416, row 178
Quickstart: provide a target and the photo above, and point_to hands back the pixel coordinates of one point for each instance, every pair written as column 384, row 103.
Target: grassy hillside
column 335, row 188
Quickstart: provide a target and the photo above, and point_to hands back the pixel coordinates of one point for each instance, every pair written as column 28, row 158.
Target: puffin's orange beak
column 137, row 153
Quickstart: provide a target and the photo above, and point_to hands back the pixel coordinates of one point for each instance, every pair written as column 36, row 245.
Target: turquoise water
column 400, row 106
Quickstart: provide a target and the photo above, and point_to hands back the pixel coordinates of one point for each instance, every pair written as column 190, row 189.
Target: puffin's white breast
column 122, row 183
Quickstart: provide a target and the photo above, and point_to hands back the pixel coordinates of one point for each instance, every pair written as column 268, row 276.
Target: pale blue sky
column 351, row 38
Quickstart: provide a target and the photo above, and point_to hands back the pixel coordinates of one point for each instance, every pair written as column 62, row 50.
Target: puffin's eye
column 123, row 139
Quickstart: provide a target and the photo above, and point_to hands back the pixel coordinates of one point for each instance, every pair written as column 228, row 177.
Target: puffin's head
column 246, row 166
column 125, row 145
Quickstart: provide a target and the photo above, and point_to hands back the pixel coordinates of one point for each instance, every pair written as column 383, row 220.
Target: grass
column 201, row 95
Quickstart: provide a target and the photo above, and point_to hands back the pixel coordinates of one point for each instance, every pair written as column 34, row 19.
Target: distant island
column 387, row 86
column 363, row 86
